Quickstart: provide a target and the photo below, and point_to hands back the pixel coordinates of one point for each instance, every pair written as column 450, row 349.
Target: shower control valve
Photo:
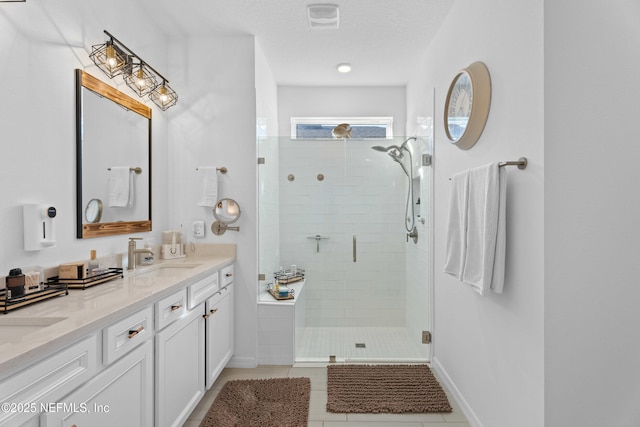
column 413, row 234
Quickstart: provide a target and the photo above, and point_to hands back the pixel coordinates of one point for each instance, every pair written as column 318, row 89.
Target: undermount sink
column 164, row 270
column 14, row 328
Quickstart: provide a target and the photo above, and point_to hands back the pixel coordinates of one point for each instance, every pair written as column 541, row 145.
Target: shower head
column 396, row 154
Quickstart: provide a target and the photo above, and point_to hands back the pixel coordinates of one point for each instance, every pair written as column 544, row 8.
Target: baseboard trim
column 450, row 385
column 242, row 362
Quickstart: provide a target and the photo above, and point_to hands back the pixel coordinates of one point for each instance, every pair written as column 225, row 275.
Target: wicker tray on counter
column 50, row 290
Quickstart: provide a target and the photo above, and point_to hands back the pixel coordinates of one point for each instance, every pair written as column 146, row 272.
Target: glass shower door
column 380, row 298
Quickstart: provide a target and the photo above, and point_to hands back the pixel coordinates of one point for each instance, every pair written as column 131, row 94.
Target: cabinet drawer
column 125, row 335
column 226, row 275
column 202, row 289
column 48, row 381
column 171, row 308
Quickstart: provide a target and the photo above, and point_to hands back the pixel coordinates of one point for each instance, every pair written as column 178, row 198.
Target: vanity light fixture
column 114, row 58
column 163, row 96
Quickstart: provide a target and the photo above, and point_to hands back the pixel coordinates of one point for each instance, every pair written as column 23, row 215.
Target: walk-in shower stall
column 356, row 219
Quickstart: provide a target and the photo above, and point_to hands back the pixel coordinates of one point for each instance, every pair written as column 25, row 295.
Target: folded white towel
column 456, row 244
column 207, row 186
column 484, row 226
column 120, row 187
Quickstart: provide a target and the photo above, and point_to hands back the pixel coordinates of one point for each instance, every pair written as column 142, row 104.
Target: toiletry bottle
column 15, row 283
column 93, row 263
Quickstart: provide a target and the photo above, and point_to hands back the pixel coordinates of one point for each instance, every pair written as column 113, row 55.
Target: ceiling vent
column 323, row 16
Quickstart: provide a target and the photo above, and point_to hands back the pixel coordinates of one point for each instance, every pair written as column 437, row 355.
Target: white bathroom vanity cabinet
column 147, row 363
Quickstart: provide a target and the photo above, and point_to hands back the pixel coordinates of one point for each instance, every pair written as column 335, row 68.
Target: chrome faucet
column 133, row 252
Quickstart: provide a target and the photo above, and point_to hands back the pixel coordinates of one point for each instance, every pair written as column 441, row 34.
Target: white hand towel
column 207, row 186
column 483, row 222
column 456, row 245
column 120, row 187
column 497, row 279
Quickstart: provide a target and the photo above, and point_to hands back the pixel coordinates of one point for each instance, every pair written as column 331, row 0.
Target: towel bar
column 521, row 163
column 222, row 170
column 137, row 170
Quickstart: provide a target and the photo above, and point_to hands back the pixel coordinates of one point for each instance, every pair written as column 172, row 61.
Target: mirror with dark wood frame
column 113, row 159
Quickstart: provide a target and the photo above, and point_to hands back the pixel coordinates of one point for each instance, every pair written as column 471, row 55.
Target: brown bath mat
column 276, row 402
column 384, row 389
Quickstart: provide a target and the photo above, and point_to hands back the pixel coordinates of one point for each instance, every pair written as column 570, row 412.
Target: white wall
column 216, row 126
column 41, row 43
column 592, row 206
column 490, row 349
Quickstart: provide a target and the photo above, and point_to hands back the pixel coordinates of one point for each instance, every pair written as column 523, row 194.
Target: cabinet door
column 180, row 368
column 121, row 395
column 219, row 330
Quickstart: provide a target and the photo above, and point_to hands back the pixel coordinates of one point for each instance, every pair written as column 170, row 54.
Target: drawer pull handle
column 176, row 307
column 228, row 274
column 134, row 332
column 206, row 316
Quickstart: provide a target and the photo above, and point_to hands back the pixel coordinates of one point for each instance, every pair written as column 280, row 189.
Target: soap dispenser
column 39, row 231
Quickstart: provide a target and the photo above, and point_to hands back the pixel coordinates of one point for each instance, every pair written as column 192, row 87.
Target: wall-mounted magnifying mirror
column 227, row 211
column 93, row 211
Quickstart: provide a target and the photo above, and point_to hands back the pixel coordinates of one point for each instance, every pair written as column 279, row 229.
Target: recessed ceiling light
column 344, row 67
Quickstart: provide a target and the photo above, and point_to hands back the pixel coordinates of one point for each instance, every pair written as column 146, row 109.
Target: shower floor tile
column 380, row 343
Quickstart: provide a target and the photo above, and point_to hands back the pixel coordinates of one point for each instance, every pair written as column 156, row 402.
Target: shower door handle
column 354, row 247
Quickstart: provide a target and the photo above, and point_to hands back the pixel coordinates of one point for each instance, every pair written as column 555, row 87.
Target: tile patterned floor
column 381, row 343
column 318, row 416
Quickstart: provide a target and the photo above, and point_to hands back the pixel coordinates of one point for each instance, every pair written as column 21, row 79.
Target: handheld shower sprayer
column 397, row 155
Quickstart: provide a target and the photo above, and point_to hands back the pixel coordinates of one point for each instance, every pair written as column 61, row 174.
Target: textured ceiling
column 382, row 39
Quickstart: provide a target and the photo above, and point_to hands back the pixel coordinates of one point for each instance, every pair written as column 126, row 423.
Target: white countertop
column 89, row 310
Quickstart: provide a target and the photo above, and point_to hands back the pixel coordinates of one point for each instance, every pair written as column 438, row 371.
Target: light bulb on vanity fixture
column 109, row 58
column 140, row 79
column 163, row 96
